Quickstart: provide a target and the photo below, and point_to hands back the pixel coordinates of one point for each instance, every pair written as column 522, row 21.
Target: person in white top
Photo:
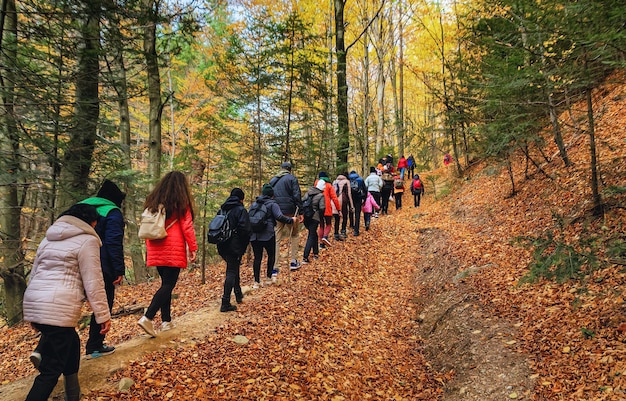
column 374, row 184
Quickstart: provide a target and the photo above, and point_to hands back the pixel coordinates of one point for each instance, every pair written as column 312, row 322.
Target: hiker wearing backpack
column 386, row 192
column 346, row 205
column 170, row 254
column 331, row 200
column 233, row 249
column 288, row 197
column 411, row 162
column 398, row 190
column 374, row 184
column 264, row 213
column 313, row 211
column 417, row 189
column 359, row 193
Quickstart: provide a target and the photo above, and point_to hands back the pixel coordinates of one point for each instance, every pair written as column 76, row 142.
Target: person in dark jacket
column 386, row 192
column 287, row 195
column 233, row 249
column 358, row 198
column 110, row 228
column 266, row 239
column 319, row 204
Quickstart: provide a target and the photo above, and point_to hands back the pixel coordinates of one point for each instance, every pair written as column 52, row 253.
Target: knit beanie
column 238, row 192
column 323, row 174
column 267, row 190
column 372, row 169
column 112, row 192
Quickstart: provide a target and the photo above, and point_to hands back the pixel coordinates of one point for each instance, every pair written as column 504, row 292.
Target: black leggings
column 162, row 299
column 257, row 250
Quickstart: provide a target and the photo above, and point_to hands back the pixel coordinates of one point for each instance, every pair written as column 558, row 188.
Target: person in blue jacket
column 110, row 228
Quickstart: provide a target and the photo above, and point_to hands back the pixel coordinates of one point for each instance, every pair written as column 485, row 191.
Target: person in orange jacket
column 329, row 196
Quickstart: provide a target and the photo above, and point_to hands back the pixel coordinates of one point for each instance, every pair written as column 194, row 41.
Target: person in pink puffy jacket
column 172, row 253
column 369, row 206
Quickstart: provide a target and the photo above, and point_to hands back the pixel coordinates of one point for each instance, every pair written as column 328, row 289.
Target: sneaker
column 147, row 326
column 294, row 265
column 35, row 359
column 256, row 285
column 102, row 351
column 239, row 298
column 165, row 326
column 367, row 227
column 322, row 246
column 306, row 261
column 274, row 276
column 356, row 234
column 228, row 308
column 326, row 242
column 316, row 257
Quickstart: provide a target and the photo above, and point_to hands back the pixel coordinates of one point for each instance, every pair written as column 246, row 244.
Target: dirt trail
column 94, row 373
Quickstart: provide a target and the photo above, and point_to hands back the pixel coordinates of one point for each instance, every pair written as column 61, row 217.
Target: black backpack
column 219, row 228
column 358, row 189
column 307, row 208
column 258, row 216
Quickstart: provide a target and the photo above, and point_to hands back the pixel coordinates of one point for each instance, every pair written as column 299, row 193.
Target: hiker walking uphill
column 386, row 192
column 398, row 190
column 374, row 185
column 65, row 270
column 330, row 197
column 359, row 193
column 265, row 237
column 315, row 198
column 417, row 189
column 110, row 229
column 170, row 254
column 346, row 205
column 233, row 249
column 288, row 197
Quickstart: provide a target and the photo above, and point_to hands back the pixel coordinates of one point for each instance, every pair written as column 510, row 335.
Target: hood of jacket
column 231, row 203
column 354, row 176
column 67, row 227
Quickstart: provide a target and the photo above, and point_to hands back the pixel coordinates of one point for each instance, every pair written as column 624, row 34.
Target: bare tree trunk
column 597, row 200
column 367, row 107
column 402, row 127
column 343, row 132
column 11, row 253
column 78, row 158
column 154, row 89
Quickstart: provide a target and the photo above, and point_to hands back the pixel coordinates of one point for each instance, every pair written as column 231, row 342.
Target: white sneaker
column 165, row 326
column 147, row 326
column 256, row 285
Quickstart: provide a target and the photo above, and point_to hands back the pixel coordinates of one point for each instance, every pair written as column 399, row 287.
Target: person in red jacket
column 169, row 254
column 403, row 164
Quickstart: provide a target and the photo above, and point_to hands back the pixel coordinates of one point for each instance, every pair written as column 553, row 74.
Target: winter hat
column 372, row 169
column 112, row 192
column 286, row 166
column 238, row 193
column 321, row 184
column 323, row 174
column 267, row 190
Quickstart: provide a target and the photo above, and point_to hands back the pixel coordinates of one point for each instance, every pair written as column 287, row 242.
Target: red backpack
column 417, row 185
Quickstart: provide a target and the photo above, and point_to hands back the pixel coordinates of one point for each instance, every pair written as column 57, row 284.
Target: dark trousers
column 355, row 218
column 232, row 281
column 411, row 172
column 398, row 198
column 257, row 250
column 96, row 340
column 376, row 196
column 162, row 299
column 312, row 240
column 60, row 354
column 384, row 200
column 367, row 217
column 416, row 199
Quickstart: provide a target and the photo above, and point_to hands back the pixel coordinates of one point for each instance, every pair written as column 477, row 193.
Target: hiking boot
column 326, row 242
column 228, row 308
column 102, row 351
column 147, row 326
column 35, row 359
column 356, row 234
column 239, row 298
column 165, row 326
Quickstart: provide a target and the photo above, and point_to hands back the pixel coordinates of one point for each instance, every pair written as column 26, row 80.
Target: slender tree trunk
column 343, row 134
column 11, row 253
column 367, row 107
column 402, row 127
column 78, row 158
column 380, row 90
column 154, row 89
column 597, row 200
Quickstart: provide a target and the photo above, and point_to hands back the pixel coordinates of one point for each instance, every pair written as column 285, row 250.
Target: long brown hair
column 173, row 192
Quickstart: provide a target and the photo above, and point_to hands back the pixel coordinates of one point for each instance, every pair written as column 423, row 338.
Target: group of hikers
column 82, row 254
